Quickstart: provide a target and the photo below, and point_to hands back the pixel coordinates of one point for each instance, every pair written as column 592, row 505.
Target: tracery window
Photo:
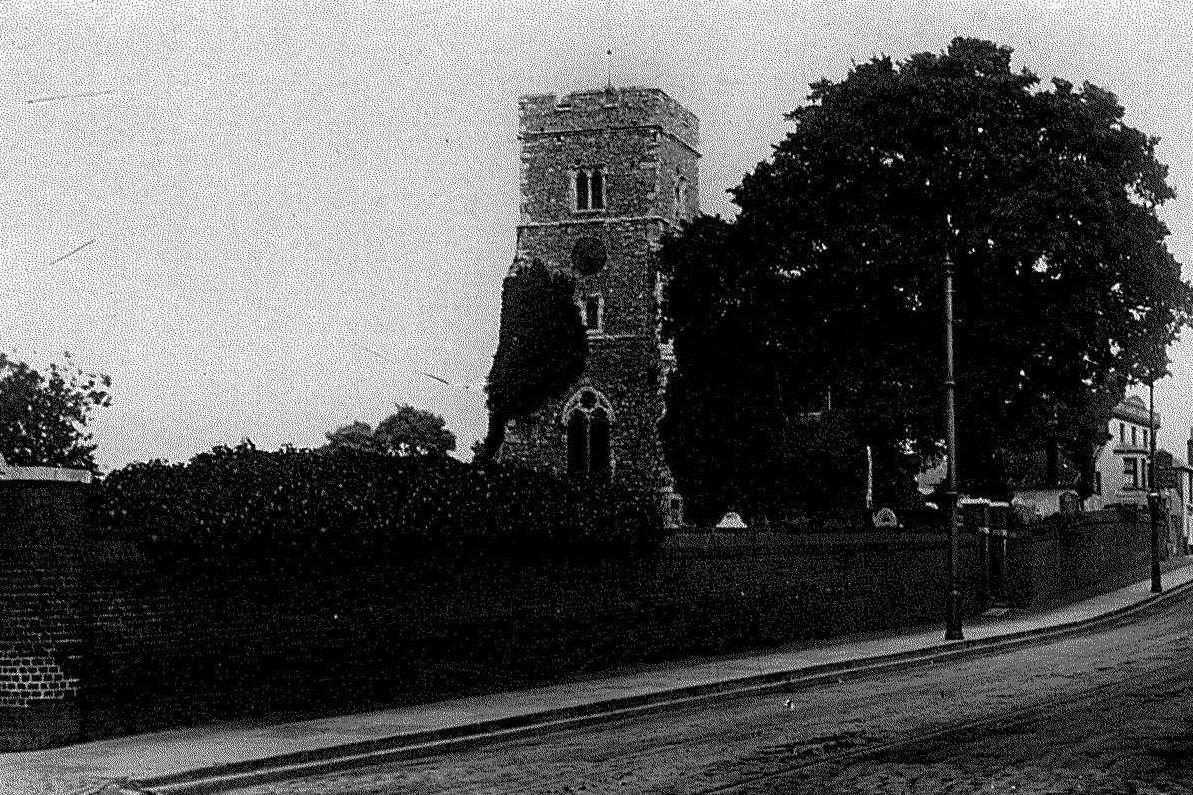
column 588, row 418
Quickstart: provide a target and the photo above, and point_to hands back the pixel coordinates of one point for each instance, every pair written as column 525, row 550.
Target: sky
column 289, row 210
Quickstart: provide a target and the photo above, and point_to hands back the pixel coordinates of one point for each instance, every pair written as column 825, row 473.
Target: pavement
column 218, row 757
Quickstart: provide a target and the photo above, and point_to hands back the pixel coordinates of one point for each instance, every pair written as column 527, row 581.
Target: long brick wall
column 169, row 648
column 99, row 639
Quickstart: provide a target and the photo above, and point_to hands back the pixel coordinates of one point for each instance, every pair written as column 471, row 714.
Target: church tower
column 604, row 175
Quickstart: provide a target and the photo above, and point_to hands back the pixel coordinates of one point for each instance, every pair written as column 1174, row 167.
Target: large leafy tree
column 724, row 425
column 1043, row 200
column 541, row 345
column 44, row 414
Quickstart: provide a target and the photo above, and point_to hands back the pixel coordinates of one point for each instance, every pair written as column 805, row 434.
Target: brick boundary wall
column 41, row 514
column 1067, row 557
column 101, row 640
column 201, row 646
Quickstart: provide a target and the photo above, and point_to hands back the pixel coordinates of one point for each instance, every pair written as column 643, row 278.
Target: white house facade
column 1121, row 472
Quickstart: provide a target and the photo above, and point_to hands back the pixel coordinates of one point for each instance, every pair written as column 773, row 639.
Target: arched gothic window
column 588, row 418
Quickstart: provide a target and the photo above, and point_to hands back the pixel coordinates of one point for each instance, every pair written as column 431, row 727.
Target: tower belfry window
column 581, row 190
column 596, row 185
column 589, row 189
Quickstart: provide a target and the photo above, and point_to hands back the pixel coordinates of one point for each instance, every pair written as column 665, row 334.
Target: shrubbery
column 305, row 506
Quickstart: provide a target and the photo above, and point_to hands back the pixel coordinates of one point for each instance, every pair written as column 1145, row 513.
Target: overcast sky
column 273, row 188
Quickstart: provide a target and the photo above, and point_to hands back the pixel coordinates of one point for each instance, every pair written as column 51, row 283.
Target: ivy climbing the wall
column 540, row 349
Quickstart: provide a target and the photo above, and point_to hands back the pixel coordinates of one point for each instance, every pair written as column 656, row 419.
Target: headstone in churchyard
column 885, row 517
column 731, row 521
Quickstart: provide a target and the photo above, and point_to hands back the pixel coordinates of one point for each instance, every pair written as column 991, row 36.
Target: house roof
column 1133, row 409
column 1177, row 461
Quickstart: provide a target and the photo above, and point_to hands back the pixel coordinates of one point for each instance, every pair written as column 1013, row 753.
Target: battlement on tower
column 624, row 108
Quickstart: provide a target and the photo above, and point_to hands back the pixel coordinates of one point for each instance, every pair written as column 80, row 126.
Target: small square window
column 591, row 311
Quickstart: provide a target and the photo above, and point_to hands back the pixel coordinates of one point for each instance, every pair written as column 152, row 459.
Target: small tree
column 413, row 432
column 355, row 435
column 44, row 415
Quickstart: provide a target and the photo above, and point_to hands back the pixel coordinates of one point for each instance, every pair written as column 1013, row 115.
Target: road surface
column 1107, row 712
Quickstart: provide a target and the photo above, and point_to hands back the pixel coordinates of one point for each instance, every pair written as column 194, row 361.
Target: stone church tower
column 605, row 174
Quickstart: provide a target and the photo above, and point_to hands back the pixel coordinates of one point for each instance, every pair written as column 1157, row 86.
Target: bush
column 306, row 506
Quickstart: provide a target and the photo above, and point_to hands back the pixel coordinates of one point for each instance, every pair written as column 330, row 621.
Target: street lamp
column 1153, row 494
column 952, row 600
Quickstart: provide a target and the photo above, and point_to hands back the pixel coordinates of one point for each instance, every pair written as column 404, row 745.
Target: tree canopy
column 406, row 432
column 830, row 279
column 44, row 415
column 541, row 344
column 356, row 435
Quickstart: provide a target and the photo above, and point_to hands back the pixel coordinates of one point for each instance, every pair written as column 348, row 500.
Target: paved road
column 1111, row 712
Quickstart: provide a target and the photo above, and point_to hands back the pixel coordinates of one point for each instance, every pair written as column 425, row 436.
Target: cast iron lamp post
column 952, row 600
column 1153, row 493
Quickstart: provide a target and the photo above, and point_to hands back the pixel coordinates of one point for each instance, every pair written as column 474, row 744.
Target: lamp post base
column 952, row 629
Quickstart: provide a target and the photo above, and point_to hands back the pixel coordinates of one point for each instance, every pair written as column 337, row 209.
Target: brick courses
column 40, row 629
column 1068, row 557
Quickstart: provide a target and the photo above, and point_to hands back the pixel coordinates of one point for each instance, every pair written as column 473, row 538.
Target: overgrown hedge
column 304, row 506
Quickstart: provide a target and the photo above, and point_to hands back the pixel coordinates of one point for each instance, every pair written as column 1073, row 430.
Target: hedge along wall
column 176, row 648
column 1068, row 557
column 139, row 644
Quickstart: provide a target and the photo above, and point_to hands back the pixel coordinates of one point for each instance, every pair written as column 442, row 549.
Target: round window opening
column 588, row 255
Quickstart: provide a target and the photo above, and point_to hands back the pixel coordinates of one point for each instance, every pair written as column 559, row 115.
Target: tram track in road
column 1107, row 692
column 741, row 737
